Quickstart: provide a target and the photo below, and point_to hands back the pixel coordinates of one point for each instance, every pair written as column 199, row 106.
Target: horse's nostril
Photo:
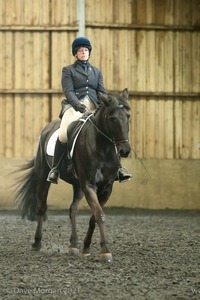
column 124, row 153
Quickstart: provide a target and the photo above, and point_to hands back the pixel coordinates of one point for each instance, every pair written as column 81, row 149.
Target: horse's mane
column 115, row 100
column 98, row 108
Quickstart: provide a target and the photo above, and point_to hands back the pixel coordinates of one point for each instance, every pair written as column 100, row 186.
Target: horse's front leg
column 88, row 237
column 77, row 196
column 99, row 216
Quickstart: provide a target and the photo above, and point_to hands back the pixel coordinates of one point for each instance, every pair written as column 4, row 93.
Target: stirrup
column 53, row 176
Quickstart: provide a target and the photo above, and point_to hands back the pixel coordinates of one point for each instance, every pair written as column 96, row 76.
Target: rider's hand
column 81, row 107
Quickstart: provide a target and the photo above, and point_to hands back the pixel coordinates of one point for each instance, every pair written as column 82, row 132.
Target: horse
column 100, row 144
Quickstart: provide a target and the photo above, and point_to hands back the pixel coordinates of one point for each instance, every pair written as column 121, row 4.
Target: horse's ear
column 103, row 98
column 125, row 94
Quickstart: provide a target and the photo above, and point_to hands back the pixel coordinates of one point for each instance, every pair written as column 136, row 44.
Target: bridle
column 112, row 140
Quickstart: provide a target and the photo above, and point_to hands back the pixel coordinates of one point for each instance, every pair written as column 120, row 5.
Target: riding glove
column 81, row 107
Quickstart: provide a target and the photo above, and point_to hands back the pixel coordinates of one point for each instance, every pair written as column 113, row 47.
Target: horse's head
column 116, row 120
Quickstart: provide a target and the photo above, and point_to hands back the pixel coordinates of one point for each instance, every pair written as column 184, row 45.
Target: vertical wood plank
column 186, row 14
column 195, row 129
column 150, row 65
column 28, row 12
column 178, row 63
column 169, row 103
column 187, row 115
column 142, row 128
column 187, row 59
column 46, row 12
column 2, row 10
column 160, row 12
column 28, row 103
column 9, row 128
column 2, row 126
column 150, row 8
column 19, row 69
column 141, row 11
column 169, row 128
column 19, row 126
column 177, row 12
column 169, row 9
column 195, row 12
column 150, row 128
column 2, row 60
column 159, row 61
column 168, row 62
column 141, row 60
column 195, row 62
column 178, row 128
column 133, row 61
column 9, row 63
column 134, row 126
column 160, row 129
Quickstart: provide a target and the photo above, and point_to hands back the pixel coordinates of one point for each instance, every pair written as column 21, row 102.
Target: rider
column 80, row 83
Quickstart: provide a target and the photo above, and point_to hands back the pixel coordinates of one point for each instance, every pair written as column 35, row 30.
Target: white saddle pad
column 52, row 142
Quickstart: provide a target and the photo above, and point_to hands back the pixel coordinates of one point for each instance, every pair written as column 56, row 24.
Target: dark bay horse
column 100, row 144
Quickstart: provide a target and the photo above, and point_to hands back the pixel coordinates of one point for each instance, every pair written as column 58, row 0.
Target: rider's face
column 82, row 53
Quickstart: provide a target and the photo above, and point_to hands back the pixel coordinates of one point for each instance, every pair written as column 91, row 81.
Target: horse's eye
column 113, row 119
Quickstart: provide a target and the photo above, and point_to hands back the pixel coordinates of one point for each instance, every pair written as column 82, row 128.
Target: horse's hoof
column 73, row 251
column 106, row 257
column 36, row 246
column 85, row 254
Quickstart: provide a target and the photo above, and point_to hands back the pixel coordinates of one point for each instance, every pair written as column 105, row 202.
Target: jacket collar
column 79, row 68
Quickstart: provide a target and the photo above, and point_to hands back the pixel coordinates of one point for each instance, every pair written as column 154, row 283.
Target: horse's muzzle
column 124, row 149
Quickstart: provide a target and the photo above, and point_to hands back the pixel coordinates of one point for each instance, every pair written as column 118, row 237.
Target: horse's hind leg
column 77, row 196
column 41, row 210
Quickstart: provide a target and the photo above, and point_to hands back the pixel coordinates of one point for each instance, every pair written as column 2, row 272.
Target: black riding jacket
column 78, row 83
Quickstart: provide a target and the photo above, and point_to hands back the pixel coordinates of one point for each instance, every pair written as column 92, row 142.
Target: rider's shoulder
column 67, row 69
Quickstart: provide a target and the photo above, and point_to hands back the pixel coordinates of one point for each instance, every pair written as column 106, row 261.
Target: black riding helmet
column 81, row 42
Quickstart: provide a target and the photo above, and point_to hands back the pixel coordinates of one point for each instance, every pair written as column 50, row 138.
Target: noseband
column 120, row 142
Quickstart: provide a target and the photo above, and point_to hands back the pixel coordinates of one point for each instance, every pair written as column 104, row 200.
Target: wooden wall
column 150, row 46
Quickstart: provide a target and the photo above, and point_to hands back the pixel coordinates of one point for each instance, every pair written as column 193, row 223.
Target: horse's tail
column 26, row 193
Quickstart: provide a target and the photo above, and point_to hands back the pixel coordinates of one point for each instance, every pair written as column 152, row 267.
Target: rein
column 111, row 140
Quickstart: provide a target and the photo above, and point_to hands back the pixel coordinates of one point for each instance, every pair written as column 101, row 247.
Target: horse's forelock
column 117, row 100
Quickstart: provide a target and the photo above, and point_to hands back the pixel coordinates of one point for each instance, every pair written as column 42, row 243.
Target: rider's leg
column 88, row 103
column 59, row 152
column 69, row 116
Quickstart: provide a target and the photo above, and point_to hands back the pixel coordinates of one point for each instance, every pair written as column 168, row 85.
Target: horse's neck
column 99, row 124
column 103, row 144
column 99, row 119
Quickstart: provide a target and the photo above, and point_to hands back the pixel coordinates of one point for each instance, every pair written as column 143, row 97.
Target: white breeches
column 71, row 115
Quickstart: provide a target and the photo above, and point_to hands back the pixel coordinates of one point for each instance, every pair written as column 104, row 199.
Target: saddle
column 73, row 131
column 64, row 106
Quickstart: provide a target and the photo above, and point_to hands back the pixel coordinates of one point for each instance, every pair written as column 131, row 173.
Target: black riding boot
column 123, row 177
column 54, row 174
